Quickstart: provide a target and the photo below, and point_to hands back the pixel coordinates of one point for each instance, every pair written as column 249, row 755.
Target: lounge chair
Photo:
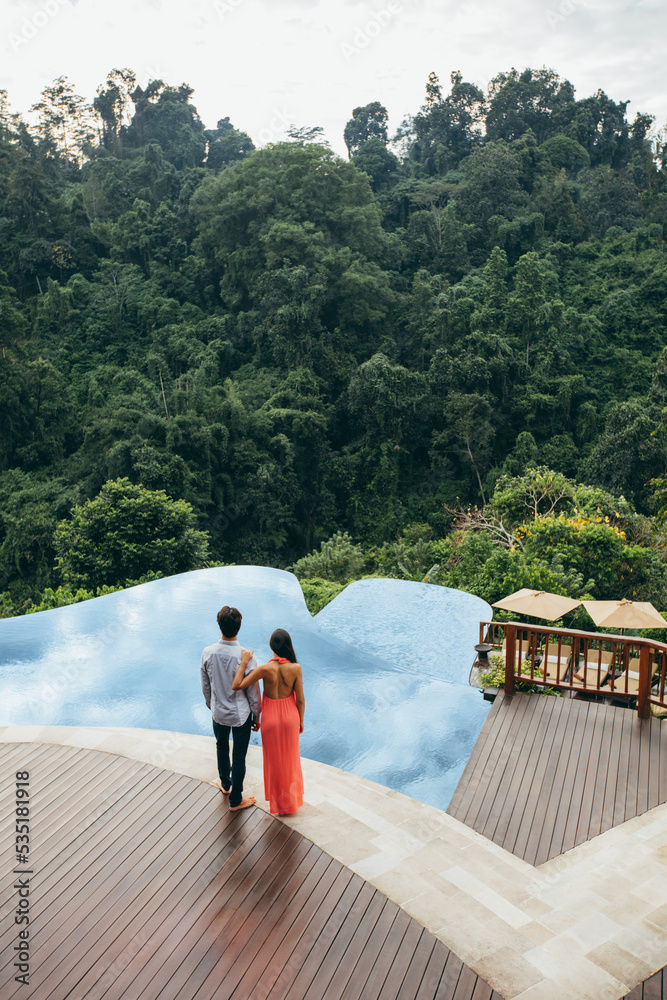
column 595, row 669
column 524, row 649
column 629, row 677
column 555, row 667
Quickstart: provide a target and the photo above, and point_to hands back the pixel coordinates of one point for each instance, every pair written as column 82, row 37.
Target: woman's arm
column 241, row 682
column 300, row 700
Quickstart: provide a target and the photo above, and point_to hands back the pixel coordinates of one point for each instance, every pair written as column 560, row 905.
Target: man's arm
column 253, row 692
column 205, row 682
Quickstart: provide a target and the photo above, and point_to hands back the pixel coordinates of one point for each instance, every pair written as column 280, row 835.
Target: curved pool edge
column 131, row 660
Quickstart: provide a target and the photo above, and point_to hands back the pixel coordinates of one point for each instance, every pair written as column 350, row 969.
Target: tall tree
column 533, row 99
column 65, row 119
column 367, row 122
column 114, row 106
column 226, row 145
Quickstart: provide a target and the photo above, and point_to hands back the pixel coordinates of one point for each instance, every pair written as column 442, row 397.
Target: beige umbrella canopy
column 624, row 614
column 538, row 603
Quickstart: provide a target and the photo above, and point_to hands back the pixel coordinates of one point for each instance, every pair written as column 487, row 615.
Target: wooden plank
column 500, row 719
column 565, row 725
column 654, row 766
column 72, row 855
column 569, row 789
column 662, row 772
column 482, row 990
column 632, row 788
column 287, row 907
column 372, row 950
column 612, row 773
column 284, row 961
column 402, row 958
column 145, row 932
column 166, row 894
column 616, row 776
column 199, row 922
column 378, row 974
column 532, row 806
column 597, row 806
column 644, row 765
column 519, row 751
column 71, row 778
column 466, row 984
column 450, row 978
column 515, row 797
column 554, row 773
column 482, row 805
column 53, row 826
column 521, row 809
column 62, row 865
column 259, row 914
column 214, row 975
column 433, row 974
column 340, row 983
column 108, row 894
column 474, row 771
column 417, row 968
column 317, row 916
column 320, row 963
column 577, row 834
column 624, row 777
column 653, row 987
column 125, row 925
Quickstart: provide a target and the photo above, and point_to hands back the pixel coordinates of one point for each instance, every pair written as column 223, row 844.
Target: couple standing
column 229, row 679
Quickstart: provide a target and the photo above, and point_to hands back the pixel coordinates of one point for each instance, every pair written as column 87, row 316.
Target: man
column 230, row 709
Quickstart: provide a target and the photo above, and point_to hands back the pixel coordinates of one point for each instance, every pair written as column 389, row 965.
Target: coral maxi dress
column 283, row 780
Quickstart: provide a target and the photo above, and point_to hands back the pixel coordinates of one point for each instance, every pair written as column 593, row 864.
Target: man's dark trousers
column 241, row 737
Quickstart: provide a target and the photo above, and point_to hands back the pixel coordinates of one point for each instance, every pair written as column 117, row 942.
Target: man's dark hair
column 229, row 620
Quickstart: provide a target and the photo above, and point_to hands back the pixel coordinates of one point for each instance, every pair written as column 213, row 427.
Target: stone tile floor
column 589, row 924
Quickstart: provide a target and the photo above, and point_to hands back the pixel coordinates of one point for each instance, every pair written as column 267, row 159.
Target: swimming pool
column 385, row 664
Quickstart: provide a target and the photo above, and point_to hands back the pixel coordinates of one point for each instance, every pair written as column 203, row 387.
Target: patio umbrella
column 537, row 603
column 624, row 614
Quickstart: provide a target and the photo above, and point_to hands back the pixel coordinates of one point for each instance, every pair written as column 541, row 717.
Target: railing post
column 510, row 658
column 644, row 687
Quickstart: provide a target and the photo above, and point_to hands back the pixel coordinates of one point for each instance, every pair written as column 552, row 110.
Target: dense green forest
column 381, row 351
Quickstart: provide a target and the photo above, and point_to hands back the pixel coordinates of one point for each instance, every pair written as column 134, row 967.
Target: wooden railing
column 615, row 666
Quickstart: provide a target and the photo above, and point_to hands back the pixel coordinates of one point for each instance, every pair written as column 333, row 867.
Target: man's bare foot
column 243, row 804
column 225, row 791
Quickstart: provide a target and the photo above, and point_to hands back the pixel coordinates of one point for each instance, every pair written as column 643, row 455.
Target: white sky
column 269, row 63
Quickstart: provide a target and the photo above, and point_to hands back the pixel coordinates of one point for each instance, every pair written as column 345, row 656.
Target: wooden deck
column 654, row 988
column 549, row 773
column 146, row 886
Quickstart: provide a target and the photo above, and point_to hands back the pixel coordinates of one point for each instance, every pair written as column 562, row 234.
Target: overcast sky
column 269, row 63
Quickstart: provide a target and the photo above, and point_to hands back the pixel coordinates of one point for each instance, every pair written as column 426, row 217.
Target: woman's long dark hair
column 281, row 644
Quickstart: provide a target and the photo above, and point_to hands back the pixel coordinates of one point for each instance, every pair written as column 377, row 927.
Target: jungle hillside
column 444, row 356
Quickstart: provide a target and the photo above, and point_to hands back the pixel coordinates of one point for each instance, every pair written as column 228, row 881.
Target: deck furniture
column 595, row 668
column 627, row 681
column 525, row 647
column 556, row 661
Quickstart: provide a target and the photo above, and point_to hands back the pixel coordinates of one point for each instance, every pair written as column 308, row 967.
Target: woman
column 283, row 706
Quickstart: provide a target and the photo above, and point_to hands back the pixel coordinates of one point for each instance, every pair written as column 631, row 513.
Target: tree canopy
column 281, row 346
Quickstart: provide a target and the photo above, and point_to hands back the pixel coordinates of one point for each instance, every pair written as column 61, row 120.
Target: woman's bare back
column 280, row 679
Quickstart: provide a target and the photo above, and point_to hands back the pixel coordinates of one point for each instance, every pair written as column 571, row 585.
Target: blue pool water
column 385, row 666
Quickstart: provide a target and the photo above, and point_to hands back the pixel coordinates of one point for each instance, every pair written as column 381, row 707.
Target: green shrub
column 339, row 559
column 317, row 593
